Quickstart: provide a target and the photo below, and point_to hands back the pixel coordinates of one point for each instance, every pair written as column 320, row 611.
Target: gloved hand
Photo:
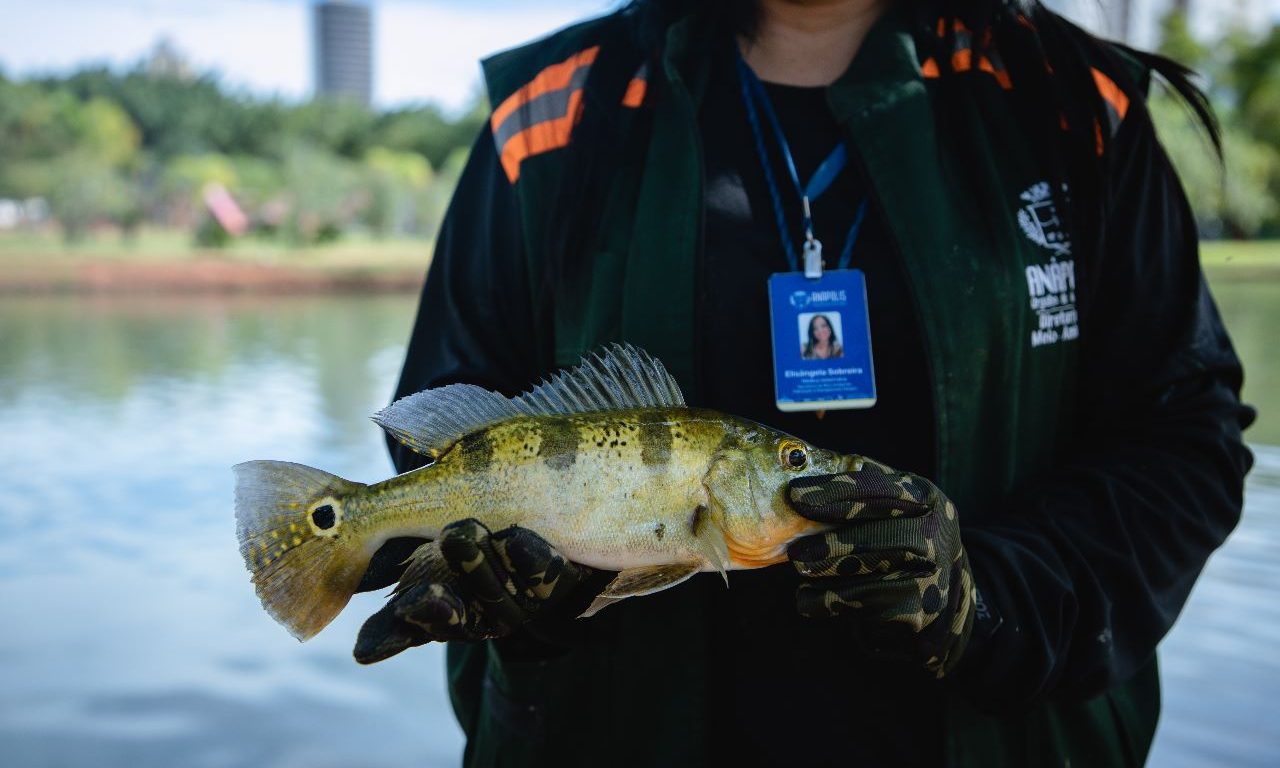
column 469, row 585
column 893, row 563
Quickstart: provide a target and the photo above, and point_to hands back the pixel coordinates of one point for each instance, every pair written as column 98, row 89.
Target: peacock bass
column 605, row 461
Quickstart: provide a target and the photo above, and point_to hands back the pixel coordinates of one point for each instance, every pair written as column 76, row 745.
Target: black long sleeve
column 1090, row 567
column 475, row 322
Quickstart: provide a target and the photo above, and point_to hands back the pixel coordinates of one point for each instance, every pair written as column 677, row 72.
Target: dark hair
column 1048, row 60
column 813, row 341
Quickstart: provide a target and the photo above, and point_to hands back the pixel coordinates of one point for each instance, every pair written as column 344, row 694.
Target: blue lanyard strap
column 753, row 92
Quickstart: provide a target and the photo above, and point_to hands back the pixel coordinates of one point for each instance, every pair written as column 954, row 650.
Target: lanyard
column 753, row 92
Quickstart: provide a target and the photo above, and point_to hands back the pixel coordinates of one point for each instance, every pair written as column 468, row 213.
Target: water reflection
column 132, row 635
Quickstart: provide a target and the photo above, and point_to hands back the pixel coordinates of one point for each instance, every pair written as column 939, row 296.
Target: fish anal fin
column 646, row 580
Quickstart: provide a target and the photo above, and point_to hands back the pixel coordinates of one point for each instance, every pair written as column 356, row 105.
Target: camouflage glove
column 893, row 563
column 470, row 585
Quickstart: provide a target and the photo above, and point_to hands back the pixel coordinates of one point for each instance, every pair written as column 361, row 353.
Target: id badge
column 821, row 341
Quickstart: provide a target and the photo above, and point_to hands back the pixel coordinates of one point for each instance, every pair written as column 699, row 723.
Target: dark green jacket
column 1018, row 446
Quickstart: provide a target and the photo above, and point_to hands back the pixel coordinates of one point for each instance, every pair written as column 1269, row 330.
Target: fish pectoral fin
column 710, row 542
column 635, row 582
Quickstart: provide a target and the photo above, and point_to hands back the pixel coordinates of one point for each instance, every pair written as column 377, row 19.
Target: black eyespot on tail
column 323, row 517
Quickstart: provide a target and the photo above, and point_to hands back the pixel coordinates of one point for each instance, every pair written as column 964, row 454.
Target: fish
column 605, row 461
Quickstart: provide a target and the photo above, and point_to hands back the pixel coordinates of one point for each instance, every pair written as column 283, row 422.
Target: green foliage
column 324, row 192
column 124, row 148
column 1237, row 198
column 1177, row 42
column 210, row 234
column 1255, row 75
column 181, row 115
column 82, row 190
column 1241, row 197
column 428, row 132
column 398, row 182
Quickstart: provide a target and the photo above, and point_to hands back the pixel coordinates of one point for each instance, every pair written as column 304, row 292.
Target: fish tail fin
column 305, row 560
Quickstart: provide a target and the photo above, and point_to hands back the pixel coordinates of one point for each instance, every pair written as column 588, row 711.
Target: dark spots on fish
column 559, row 446
column 477, row 452
column 660, row 531
column 324, row 517
column 655, row 443
column 729, row 442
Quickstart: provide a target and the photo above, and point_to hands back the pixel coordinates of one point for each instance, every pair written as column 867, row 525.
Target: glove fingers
column 885, row 548
column 441, row 614
column 481, row 572
column 421, row 614
column 877, row 566
column 540, row 574
column 911, row 603
column 871, row 492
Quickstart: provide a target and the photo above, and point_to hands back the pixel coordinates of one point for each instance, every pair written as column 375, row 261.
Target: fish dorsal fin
column 434, row 419
column 617, row 377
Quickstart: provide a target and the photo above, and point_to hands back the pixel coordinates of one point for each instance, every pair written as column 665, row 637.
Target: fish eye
column 793, row 455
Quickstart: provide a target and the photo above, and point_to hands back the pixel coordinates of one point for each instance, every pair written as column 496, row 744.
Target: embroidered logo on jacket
column 1052, row 286
column 1039, row 220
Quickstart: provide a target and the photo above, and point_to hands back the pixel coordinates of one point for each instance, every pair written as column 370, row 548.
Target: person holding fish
column 955, row 538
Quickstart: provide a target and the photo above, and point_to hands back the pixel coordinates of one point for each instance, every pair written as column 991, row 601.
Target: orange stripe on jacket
column 539, row 137
column 634, row 96
column 1111, row 92
column 552, row 78
column 1000, row 75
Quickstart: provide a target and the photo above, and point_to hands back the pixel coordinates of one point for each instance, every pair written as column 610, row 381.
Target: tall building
column 343, row 50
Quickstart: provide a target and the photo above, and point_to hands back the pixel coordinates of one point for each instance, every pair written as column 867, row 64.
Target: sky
column 425, row 50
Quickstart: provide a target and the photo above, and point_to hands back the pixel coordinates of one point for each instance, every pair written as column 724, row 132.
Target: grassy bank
column 161, row 260
column 1241, row 260
column 167, row 260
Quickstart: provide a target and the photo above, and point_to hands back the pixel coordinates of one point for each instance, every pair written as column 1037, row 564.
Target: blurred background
column 214, row 218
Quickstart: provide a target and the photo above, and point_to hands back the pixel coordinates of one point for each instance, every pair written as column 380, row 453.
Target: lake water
column 132, row 636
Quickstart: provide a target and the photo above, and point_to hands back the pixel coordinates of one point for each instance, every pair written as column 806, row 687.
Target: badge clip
column 812, row 258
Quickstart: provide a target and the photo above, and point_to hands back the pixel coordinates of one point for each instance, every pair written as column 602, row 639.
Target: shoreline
column 204, row 276
column 359, row 268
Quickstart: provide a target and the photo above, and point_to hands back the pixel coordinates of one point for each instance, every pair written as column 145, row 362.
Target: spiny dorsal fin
column 617, row 377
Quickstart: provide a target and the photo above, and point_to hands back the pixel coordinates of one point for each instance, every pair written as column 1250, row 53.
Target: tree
column 398, row 182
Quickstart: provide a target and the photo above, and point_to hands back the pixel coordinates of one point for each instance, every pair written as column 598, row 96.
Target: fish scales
column 605, row 461
column 563, row 477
